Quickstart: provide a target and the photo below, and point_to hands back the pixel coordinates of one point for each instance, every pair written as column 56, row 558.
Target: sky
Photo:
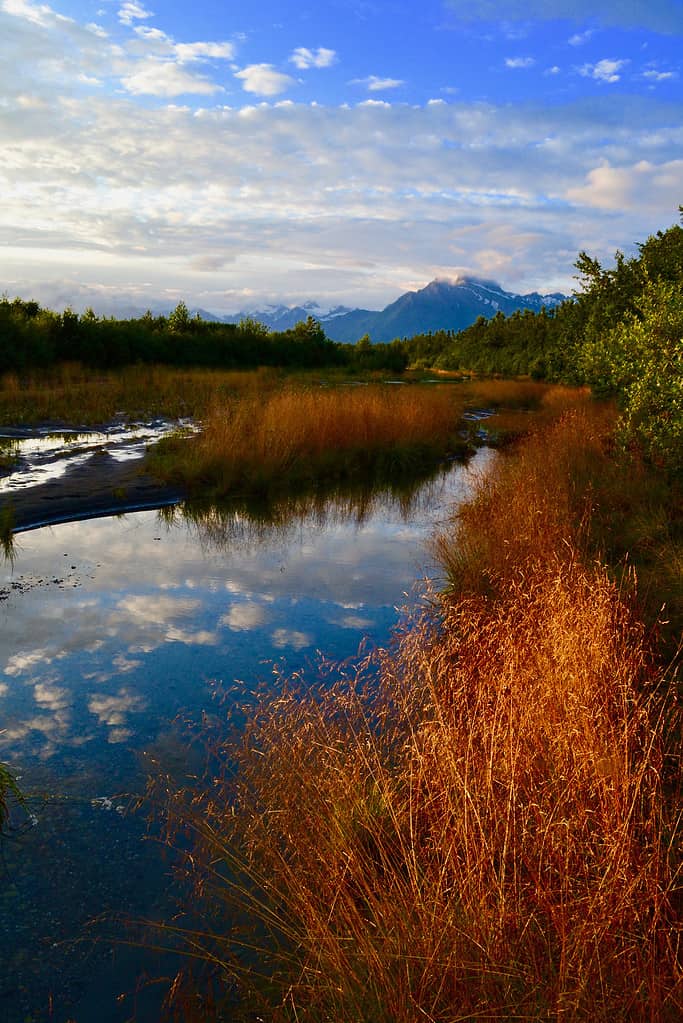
column 340, row 151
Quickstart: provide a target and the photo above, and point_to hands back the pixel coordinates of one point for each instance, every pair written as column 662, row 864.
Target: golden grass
column 298, row 433
column 481, row 823
column 527, row 394
column 538, row 502
column 70, row 392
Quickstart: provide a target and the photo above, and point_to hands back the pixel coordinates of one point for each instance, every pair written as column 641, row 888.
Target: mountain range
column 441, row 305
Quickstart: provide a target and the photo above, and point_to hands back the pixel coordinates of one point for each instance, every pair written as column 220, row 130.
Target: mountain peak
column 446, row 303
column 460, row 280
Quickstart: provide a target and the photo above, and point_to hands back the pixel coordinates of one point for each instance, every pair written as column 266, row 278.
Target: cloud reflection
column 243, row 617
column 153, row 620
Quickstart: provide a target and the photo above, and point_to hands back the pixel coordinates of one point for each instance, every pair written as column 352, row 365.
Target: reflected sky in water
column 110, row 627
column 40, row 456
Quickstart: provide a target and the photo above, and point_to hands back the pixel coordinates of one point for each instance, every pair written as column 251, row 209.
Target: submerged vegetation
column 8, row 790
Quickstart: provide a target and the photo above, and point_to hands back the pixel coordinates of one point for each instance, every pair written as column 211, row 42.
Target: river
column 113, row 632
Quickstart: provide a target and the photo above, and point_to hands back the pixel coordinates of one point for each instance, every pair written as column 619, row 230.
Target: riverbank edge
column 100, row 488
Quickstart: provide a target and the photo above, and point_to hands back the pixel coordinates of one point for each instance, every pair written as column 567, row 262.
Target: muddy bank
column 47, row 477
column 102, row 487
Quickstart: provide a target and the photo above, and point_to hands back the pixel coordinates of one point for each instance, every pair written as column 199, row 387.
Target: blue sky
column 235, row 155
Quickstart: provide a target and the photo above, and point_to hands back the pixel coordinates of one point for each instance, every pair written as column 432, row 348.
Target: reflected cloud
column 242, row 617
column 51, row 697
column 113, row 710
column 124, row 665
column 119, row 735
column 157, row 609
column 24, row 661
column 200, row 638
column 282, row 638
column 355, row 622
column 163, row 605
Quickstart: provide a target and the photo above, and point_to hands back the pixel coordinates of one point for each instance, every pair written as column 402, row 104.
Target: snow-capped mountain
column 282, row 317
column 441, row 305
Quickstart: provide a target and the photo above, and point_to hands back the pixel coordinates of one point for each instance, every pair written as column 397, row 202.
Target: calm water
column 110, row 629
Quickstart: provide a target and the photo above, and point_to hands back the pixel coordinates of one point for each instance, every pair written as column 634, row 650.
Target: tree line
column 33, row 337
column 621, row 333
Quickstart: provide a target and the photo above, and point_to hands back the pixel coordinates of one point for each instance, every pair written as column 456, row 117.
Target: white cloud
column 38, row 14
column 132, row 11
column 644, row 183
column 579, row 38
column 660, row 76
column 155, row 77
column 264, row 80
column 519, row 62
column 187, row 52
column 303, row 58
column 104, row 195
column 375, row 84
column 604, row 71
column 554, row 70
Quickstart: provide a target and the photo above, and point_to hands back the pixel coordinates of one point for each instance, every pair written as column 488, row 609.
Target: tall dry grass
column 298, row 433
column 539, row 503
column 481, row 823
column 72, row 393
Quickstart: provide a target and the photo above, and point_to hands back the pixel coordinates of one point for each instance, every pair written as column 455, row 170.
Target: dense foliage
column 34, row 337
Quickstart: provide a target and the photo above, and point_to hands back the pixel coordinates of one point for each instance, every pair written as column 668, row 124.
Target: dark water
column 111, row 628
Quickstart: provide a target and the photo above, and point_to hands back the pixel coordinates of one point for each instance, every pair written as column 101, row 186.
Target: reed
column 479, row 823
column 297, row 434
column 72, row 393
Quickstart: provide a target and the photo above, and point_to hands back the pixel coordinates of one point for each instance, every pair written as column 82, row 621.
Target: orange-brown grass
column 538, row 501
column 566, row 487
column 506, row 393
column 478, row 824
column 72, row 393
column 481, row 834
column 297, row 433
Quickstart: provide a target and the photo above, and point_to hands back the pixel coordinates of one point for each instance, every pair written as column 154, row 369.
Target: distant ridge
column 441, row 305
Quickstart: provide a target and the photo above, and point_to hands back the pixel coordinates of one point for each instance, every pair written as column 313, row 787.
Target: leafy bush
column 641, row 362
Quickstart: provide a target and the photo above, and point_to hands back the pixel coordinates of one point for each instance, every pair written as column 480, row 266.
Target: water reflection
column 110, row 628
column 33, row 457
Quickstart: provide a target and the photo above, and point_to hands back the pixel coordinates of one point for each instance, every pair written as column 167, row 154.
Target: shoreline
column 104, row 486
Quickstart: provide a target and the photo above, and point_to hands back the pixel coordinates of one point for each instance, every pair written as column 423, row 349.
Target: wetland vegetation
column 483, row 819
